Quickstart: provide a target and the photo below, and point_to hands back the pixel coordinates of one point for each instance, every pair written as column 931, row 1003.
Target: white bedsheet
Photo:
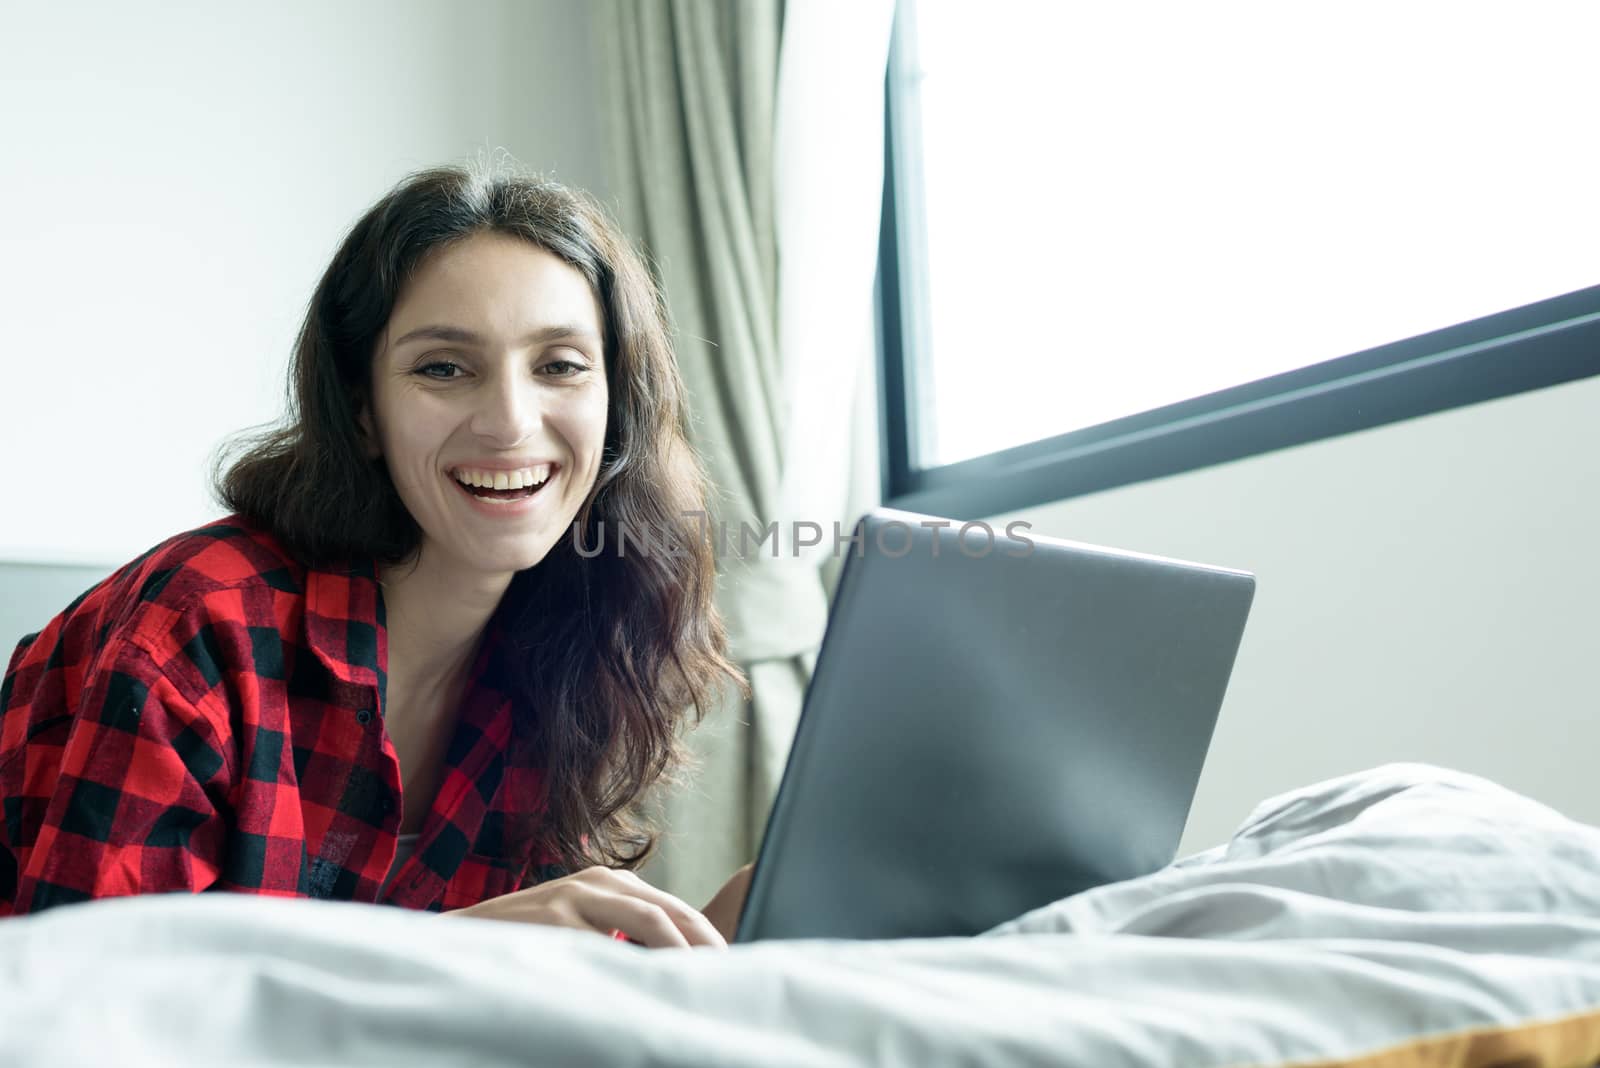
column 1348, row 917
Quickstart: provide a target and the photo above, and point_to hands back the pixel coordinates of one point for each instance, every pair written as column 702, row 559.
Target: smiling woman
column 388, row 675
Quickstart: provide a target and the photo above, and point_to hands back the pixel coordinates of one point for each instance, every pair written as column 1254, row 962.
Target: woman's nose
column 509, row 411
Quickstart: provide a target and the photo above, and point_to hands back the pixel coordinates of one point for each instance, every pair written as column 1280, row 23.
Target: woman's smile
column 502, row 494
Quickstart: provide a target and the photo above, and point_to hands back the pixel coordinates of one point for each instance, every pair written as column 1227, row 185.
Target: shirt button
column 364, row 715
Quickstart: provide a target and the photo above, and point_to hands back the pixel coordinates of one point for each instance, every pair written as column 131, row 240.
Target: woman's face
column 491, row 370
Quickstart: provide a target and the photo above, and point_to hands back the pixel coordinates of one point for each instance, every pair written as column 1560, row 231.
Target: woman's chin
column 500, row 557
column 530, row 552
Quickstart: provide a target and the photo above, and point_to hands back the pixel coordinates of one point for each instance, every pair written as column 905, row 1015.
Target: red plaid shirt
column 211, row 717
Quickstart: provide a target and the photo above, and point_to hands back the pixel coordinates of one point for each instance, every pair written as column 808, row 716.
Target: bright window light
column 1130, row 204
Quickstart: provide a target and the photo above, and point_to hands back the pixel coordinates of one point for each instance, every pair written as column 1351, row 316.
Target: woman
column 389, row 675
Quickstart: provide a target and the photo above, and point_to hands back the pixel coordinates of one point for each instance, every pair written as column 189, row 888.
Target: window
column 1126, row 240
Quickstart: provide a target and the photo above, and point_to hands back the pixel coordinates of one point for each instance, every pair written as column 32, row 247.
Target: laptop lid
column 989, row 731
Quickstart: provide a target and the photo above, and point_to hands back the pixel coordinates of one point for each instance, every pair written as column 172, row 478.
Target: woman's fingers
column 605, row 900
column 689, row 922
column 640, row 920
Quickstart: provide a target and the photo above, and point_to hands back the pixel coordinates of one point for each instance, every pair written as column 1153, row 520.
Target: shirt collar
column 347, row 631
column 345, row 624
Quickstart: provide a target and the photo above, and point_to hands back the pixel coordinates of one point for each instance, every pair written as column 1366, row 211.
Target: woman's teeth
column 503, row 480
column 502, row 487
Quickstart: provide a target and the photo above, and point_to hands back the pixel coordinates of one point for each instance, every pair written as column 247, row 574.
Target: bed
column 1407, row 915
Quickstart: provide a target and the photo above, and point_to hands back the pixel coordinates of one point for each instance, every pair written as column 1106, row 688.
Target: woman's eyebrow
column 553, row 332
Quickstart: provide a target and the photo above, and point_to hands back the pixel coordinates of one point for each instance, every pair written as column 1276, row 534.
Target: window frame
column 1526, row 348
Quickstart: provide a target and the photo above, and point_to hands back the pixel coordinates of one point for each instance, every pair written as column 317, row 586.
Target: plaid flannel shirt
column 211, row 717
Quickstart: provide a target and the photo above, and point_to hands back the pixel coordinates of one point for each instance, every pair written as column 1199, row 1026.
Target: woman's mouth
column 502, row 487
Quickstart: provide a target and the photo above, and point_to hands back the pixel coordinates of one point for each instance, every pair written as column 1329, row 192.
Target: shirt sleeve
column 136, row 803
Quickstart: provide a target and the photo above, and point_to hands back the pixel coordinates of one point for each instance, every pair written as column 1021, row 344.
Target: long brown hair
column 604, row 654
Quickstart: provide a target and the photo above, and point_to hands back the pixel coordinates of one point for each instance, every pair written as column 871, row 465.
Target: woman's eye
column 563, row 368
column 428, row 370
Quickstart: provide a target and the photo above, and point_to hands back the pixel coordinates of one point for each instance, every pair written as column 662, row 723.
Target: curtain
column 721, row 157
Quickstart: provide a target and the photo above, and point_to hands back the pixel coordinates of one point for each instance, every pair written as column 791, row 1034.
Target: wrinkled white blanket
column 1343, row 919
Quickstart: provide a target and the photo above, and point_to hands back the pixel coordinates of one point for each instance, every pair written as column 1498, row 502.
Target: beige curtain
column 692, row 86
column 692, row 115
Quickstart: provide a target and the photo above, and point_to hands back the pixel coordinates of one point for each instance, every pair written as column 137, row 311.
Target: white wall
column 176, row 178
column 1428, row 590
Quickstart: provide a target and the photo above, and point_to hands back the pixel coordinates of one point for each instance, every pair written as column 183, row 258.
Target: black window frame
column 1531, row 347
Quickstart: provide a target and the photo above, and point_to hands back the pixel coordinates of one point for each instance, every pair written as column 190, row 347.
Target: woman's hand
column 604, row 900
column 723, row 910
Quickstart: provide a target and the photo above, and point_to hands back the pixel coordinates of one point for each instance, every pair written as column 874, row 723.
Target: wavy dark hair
column 604, row 655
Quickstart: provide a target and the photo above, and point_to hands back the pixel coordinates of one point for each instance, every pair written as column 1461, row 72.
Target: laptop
column 996, row 720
